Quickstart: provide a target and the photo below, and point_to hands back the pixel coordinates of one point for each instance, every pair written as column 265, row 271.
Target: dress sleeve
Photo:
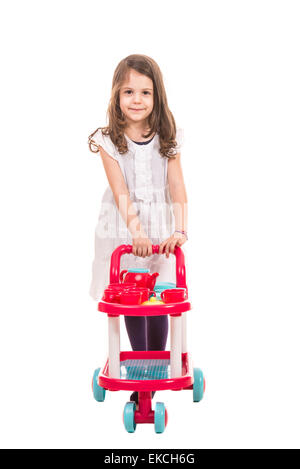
column 97, row 139
column 179, row 140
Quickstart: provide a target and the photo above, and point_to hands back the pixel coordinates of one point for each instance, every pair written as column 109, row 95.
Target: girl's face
column 136, row 98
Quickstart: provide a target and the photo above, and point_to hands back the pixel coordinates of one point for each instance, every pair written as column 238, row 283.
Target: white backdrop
column 231, row 71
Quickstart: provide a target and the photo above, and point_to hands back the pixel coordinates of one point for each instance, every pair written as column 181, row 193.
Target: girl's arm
column 141, row 245
column 179, row 200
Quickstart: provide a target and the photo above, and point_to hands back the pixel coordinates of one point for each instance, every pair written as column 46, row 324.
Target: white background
column 231, row 71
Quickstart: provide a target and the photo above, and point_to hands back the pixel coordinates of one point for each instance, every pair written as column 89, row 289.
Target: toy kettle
column 141, row 277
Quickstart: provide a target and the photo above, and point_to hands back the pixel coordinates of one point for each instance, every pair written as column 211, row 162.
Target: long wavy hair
column 161, row 120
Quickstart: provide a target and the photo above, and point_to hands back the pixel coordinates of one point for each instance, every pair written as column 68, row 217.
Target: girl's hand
column 141, row 246
column 177, row 239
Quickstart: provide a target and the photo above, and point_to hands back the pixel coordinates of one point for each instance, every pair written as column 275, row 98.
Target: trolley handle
column 127, row 249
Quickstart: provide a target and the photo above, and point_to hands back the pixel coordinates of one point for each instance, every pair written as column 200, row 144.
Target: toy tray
column 147, row 371
column 116, row 309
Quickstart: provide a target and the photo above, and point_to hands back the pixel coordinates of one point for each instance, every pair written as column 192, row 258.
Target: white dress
column 145, row 173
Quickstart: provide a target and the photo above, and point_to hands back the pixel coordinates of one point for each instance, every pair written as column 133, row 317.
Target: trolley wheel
column 128, row 417
column 198, row 386
column 98, row 391
column 160, row 417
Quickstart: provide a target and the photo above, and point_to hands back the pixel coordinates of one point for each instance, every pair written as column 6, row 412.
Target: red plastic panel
column 116, row 309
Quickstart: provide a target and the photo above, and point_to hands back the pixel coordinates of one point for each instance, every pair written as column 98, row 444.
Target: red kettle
column 141, row 277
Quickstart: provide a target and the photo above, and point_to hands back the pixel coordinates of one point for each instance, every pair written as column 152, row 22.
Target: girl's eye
column 129, row 91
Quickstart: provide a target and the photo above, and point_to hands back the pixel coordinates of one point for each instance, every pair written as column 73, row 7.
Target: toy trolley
column 147, row 371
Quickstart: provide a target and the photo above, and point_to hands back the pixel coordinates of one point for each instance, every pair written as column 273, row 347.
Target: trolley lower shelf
column 147, row 371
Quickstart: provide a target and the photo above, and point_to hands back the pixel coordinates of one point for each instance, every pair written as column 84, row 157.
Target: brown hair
column 161, row 119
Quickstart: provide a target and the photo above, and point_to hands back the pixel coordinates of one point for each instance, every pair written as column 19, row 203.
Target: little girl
column 146, row 200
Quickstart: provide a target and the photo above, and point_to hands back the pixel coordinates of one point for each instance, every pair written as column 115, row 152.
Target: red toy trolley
column 147, row 371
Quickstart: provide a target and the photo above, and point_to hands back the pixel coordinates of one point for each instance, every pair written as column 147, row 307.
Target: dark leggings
column 147, row 332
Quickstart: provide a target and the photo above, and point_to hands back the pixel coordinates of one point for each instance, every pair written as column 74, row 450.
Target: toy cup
column 146, row 292
column 131, row 297
column 111, row 295
column 175, row 295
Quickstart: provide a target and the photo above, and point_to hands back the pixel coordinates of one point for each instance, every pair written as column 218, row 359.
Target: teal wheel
column 128, row 417
column 98, row 391
column 160, row 417
column 199, row 385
